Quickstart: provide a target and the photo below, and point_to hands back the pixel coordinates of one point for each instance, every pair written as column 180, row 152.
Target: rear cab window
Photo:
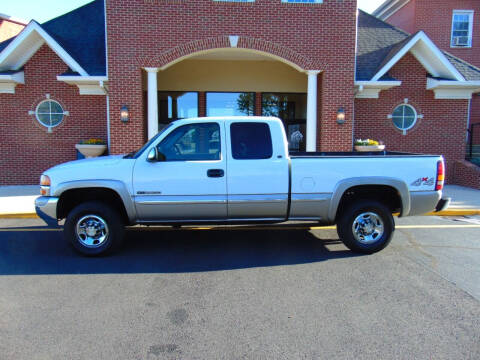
column 251, row 141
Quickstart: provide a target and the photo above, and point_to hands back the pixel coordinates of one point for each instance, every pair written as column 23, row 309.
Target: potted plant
column 91, row 147
column 369, row 145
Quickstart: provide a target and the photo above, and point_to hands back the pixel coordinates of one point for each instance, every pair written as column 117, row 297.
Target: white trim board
column 9, row 82
column 87, row 85
column 27, row 43
column 371, row 89
column 445, row 89
column 428, row 54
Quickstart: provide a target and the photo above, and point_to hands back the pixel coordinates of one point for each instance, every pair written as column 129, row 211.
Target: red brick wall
column 9, row 29
column 435, row 18
column 405, row 17
column 441, row 131
column 153, row 33
column 26, row 147
column 467, row 174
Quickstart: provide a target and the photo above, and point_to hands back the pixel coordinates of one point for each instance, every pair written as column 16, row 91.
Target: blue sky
column 43, row 10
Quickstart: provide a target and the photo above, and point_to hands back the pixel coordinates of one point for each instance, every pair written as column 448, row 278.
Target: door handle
column 215, row 173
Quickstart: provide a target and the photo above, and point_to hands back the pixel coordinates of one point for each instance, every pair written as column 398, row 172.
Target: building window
column 404, row 117
column 292, row 110
column 303, row 1
column 462, row 28
column 230, row 104
column 50, row 113
column 174, row 105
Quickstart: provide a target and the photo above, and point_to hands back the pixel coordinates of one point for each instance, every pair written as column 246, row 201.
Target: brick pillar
column 202, row 104
column 258, row 104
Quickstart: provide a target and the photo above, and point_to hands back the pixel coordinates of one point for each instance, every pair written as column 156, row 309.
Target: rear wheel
column 366, row 226
column 94, row 228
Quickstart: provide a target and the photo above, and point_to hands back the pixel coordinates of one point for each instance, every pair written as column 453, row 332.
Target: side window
column 193, row 142
column 251, row 141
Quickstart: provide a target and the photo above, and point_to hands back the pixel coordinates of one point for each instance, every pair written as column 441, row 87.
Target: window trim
column 302, row 2
column 63, row 113
column 470, row 14
column 196, row 160
column 417, row 116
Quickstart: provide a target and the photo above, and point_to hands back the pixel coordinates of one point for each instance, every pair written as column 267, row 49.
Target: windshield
column 136, row 154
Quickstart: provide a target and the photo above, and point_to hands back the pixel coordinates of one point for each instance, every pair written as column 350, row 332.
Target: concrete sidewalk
column 18, row 201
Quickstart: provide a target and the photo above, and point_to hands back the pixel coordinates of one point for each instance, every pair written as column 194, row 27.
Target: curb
column 451, row 212
column 19, row 216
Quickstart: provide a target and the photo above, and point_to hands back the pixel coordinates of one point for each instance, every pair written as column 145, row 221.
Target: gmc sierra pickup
column 237, row 170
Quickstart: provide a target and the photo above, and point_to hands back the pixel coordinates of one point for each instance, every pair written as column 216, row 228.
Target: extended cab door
column 190, row 184
column 257, row 170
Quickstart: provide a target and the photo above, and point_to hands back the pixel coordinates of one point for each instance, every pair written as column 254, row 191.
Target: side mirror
column 155, row 156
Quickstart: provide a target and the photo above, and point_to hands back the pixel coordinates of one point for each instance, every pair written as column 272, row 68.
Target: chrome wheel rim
column 92, row 231
column 367, row 228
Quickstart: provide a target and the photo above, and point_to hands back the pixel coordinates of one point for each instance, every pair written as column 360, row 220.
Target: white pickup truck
column 237, row 170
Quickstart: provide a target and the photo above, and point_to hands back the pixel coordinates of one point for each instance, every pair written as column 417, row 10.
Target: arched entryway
column 234, row 81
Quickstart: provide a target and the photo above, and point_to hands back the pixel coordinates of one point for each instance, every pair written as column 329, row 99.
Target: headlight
column 45, row 185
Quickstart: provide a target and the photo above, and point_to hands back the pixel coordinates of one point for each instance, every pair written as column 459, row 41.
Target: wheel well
column 384, row 194
column 71, row 198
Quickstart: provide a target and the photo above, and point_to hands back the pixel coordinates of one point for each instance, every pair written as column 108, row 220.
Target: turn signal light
column 45, row 180
column 440, row 176
column 44, row 185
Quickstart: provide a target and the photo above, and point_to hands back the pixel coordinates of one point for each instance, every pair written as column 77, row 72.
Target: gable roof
column 78, row 37
column 380, row 45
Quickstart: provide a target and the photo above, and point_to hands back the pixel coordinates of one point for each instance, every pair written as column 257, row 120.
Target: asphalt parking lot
column 223, row 294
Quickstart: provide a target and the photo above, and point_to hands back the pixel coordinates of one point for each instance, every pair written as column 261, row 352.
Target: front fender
column 115, row 185
column 344, row 185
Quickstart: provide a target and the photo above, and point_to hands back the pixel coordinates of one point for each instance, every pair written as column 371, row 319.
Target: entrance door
column 191, row 183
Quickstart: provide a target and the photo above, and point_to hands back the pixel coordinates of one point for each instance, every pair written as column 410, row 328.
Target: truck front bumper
column 46, row 208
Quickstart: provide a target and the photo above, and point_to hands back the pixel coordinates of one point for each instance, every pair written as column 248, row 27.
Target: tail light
column 440, row 176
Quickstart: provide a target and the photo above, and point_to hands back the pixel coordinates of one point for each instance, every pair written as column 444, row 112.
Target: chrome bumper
column 46, row 208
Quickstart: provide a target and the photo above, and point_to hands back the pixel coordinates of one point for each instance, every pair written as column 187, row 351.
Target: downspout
column 354, row 79
column 106, row 69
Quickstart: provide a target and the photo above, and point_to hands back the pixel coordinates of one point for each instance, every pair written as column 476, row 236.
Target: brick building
column 121, row 70
column 454, row 26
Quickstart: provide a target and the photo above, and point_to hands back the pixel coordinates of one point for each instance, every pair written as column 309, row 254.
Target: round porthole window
column 404, row 117
column 49, row 113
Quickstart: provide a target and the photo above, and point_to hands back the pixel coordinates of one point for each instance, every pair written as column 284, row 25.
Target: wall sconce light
column 341, row 116
column 124, row 115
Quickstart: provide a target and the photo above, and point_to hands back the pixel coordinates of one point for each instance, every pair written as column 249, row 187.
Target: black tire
column 361, row 243
column 95, row 213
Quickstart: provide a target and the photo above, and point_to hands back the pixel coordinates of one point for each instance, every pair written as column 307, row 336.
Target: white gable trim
column 9, row 82
column 13, row 57
column 87, row 85
column 445, row 89
column 428, row 54
column 388, row 8
column 371, row 89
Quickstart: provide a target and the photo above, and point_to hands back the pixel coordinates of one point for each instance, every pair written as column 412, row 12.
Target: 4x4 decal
column 424, row 181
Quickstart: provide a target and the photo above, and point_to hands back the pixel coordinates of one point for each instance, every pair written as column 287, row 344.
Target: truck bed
column 354, row 154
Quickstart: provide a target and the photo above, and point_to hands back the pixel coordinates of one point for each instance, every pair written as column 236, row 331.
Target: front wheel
column 366, row 227
column 94, row 228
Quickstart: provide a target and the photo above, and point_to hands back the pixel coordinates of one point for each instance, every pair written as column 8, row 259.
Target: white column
column 312, row 110
column 152, row 102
